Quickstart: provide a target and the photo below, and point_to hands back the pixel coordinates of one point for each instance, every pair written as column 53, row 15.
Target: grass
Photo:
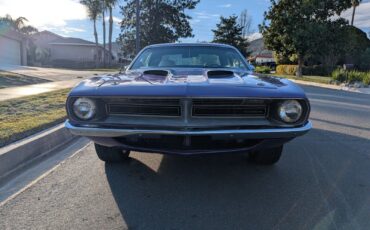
column 9, row 79
column 317, row 79
column 25, row 116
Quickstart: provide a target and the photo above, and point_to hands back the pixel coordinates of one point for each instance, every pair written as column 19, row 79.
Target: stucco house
column 259, row 53
column 13, row 47
column 69, row 52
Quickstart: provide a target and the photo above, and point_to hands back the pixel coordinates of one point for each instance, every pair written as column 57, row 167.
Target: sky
column 68, row 17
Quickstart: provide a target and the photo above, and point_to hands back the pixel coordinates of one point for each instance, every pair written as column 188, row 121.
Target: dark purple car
column 188, row 99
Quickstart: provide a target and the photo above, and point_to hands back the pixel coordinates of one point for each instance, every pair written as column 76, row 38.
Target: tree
column 161, row 21
column 296, row 26
column 93, row 8
column 245, row 21
column 355, row 4
column 103, row 9
column 18, row 24
column 110, row 5
column 230, row 32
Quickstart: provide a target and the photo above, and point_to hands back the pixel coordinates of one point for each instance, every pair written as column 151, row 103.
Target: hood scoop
column 161, row 73
column 216, row 74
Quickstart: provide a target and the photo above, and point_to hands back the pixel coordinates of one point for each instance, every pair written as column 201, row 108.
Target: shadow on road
column 316, row 184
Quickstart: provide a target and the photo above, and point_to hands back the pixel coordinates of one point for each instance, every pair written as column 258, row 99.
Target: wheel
column 266, row 156
column 111, row 154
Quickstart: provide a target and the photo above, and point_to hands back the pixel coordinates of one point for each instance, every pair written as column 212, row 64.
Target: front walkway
column 21, row 91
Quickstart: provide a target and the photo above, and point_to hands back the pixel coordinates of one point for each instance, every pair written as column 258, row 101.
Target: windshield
column 190, row 57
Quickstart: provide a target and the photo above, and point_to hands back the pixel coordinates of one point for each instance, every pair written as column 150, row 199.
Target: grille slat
column 145, row 107
column 229, row 108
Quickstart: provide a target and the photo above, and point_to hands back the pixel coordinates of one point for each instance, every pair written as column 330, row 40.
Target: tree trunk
column 103, row 14
column 137, row 26
column 96, row 45
column 300, row 66
column 110, row 34
column 353, row 15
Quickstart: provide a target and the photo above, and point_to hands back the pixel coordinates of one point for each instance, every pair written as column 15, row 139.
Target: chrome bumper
column 242, row 133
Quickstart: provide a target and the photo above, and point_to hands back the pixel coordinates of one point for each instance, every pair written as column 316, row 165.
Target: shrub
column 352, row 76
column 339, row 75
column 366, row 79
column 286, row 69
column 263, row 69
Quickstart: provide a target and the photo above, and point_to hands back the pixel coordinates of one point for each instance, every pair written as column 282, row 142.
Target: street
column 321, row 182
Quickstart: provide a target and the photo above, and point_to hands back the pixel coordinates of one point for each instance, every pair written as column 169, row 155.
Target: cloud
column 225, row 5
column 115, row 19
column 41, row 13
column 205, row 15
column 254, row 36
column 362, row 17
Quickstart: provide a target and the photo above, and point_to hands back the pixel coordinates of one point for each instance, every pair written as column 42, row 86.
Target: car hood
column 192, row 83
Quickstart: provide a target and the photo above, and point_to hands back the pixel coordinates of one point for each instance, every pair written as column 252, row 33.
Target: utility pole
column 353, row 15
column 137, row 26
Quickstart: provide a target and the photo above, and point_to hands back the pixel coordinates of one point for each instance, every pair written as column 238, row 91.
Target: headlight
column 290, row 111
column 84, row 108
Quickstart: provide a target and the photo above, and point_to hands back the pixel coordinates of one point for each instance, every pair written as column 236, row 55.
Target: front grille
column 199, row 107
column 145, row 107
column 229, row 108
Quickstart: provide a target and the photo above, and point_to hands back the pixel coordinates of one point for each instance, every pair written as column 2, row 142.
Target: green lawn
column 25, row 116
column 317, row 79
column 9, row 79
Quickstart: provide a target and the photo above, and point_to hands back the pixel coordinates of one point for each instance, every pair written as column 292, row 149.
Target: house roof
column 71, row 41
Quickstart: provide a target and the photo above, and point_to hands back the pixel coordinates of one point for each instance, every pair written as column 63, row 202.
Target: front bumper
column 239, row 133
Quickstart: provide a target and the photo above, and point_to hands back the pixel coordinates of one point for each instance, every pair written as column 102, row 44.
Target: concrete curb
column 336, row 87
column 22, row 153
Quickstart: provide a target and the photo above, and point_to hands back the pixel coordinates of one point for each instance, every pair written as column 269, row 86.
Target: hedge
column 263, row 69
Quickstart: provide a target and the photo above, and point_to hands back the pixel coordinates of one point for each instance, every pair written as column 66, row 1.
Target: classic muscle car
column 188, row 99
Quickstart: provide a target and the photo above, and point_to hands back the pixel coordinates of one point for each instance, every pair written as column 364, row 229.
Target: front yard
column 9, row 79
column 25, row 116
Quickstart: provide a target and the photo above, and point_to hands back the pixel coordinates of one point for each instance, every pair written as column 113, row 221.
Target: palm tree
column 93, row 8
column 110, row 5
column 355, row 3
column 16, row 24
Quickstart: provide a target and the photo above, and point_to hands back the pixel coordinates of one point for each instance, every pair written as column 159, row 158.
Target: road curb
column 18, row 155
column 335, row 87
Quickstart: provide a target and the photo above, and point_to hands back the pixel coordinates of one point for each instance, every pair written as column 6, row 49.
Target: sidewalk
column 21, row 91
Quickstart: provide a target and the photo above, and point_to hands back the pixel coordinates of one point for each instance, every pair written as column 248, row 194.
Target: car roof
column 190, row 44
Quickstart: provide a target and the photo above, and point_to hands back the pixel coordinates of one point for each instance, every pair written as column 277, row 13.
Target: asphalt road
column 321, row 182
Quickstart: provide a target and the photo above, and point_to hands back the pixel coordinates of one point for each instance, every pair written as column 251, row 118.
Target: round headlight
column 290, row 111
column 84, row 108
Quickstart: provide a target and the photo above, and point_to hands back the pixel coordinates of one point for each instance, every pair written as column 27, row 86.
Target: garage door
column 10, row 51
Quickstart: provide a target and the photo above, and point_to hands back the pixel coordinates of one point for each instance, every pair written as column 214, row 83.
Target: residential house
column 69, row 52
column 13, row 48
column 259, row 53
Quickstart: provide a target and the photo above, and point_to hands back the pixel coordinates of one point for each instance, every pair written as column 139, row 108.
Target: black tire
column 111, row 154
column 266, row 156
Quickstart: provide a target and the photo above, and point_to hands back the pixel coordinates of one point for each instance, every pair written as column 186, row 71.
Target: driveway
column 321, row 182
column 50, row 74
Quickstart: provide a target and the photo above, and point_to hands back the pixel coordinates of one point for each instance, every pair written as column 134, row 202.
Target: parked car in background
column 188, row 99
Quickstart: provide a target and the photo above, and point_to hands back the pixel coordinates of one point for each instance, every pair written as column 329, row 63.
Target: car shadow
column 317, row 184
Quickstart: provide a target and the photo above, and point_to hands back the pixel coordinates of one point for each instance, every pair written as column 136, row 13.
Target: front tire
column 266, row 156
column 111, row 154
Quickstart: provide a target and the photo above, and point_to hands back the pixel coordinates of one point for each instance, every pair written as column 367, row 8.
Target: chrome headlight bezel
column 290, row 111
column 84, row 108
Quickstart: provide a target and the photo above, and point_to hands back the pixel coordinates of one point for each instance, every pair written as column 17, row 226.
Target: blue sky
column 68, row 17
